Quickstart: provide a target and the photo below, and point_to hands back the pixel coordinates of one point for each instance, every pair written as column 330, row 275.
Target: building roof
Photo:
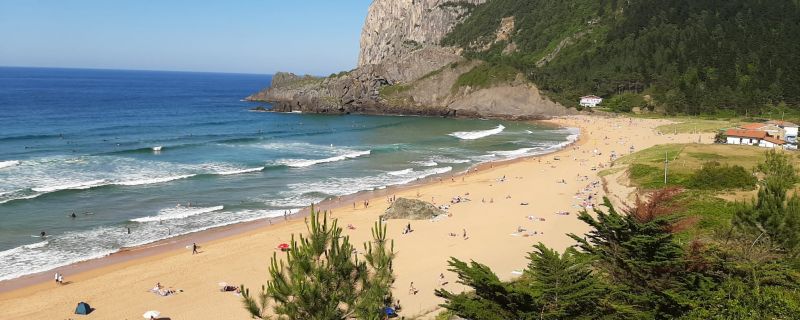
column 753, row 126
column 591, row 97
column 782, row 123
column 746, row 133
column 774, row 140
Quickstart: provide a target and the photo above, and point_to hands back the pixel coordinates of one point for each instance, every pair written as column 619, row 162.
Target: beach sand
column 490, row 218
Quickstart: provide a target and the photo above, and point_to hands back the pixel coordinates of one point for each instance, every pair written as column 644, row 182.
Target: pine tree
column 323, row 279
column 554, row 286
column 637, row 251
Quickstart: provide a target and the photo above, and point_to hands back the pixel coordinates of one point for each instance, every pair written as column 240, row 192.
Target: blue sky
column 249, row 36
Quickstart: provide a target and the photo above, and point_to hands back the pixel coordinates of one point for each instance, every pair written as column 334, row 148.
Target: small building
column 789, row 129
column 590, row 101
column 745, row 137
column 771, row 142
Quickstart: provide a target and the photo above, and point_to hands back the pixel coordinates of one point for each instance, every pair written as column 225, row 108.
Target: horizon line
column 139, row 70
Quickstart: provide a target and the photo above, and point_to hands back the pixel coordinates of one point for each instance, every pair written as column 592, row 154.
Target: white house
column 789, row 130
column 590, row 101
column 752, row 138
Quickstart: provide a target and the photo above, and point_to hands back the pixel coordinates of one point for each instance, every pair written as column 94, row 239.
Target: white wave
column 514, row 153
column 70, row 247
column 240, row 171
column 472, row 135
column 139, row 182
column 350, row 185
column 427, row 163
column 177, row 213
column 441, row 159
column 307, row 163
column 401, row 172
column 528, row 132
column 71, row 186
column 293, row 201
column 8, row 164
column 157, row 148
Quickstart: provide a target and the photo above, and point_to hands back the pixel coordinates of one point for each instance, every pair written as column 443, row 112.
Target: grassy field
column 646, row 167
column 705, row 209
column 695, row 125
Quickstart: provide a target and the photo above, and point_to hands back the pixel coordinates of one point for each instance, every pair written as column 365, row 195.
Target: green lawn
column 695, row 125
column 706, row 212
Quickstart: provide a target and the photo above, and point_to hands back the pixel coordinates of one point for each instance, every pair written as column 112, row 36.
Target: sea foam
column 301, row 163
column 473, row 135
column 177, row 213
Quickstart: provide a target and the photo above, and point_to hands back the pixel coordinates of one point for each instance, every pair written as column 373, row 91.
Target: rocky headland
column 403, row 69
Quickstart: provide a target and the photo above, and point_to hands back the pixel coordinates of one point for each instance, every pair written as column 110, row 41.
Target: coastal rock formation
column 412, row 209
column 395, row 28
column 403, row 70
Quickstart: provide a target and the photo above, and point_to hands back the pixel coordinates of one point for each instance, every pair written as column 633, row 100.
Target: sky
column 240, row 36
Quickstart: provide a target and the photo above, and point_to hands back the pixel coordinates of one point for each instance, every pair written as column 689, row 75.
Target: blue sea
column 169, row 153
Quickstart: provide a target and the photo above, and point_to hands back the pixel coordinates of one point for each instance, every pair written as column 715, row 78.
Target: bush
column 713, row 176
column 624, row 102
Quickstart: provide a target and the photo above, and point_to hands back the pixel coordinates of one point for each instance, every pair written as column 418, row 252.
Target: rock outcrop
column 412, row 209
column 403, row 70
column 395, row 28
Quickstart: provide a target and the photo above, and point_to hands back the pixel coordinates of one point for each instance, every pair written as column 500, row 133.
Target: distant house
column 590, row 101
column 789, row 129
column 743, row 136
column 753, row 138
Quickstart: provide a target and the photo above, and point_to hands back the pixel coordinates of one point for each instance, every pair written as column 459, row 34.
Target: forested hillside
column 689, row 56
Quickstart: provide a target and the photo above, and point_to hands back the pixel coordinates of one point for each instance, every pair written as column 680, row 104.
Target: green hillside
column 689, row 56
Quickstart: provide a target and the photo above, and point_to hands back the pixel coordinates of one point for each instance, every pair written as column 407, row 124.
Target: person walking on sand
column 465, row 234
column 56, row 277
column 194, row 248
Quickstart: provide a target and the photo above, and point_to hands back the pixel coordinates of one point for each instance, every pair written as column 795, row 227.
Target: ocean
column 169, row 153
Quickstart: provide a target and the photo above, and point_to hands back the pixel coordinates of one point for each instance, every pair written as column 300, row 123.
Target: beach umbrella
column 283, row 246
column 151, row 314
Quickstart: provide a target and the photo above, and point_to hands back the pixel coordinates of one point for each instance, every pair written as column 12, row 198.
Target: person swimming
column 43, row 234
column 72, row 215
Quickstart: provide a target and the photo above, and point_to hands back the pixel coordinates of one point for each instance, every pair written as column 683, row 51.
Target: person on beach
column 56, row 277
column 442, row 281
column 194, row 248
column 465, row 234
column 412, row 290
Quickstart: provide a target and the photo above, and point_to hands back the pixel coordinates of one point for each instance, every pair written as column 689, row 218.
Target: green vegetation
column 486, row 75
column 687, row 163
column 695, row 125
column 322, row 279
column 689, row 56
column 624, row 102
column 714, row 176
column 654, row 261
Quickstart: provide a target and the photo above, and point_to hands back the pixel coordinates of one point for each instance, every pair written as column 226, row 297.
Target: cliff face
column 395, row 28
column 403, row 70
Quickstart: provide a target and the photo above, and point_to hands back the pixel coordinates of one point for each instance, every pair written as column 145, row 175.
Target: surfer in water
column 72, row 215
column 43, row 234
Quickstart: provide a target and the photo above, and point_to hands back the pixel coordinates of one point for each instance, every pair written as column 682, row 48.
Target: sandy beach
column 526, row 193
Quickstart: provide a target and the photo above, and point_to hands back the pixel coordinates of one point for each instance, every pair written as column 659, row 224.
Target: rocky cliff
column 396, row 28
column 403, row 70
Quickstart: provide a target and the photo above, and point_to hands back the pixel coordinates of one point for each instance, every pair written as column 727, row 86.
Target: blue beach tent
column 83, row 308
column 389, row 312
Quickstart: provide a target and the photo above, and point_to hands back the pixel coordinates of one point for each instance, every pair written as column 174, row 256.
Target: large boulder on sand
column 403, row 208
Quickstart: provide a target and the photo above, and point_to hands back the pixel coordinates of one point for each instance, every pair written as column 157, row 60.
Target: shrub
column 713, row 176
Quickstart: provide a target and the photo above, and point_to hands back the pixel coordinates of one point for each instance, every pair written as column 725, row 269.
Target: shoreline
column 502, row 210
column 22, row 285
